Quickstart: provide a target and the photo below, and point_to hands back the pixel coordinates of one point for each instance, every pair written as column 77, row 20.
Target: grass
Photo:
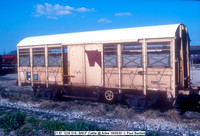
column 11, row 121
column 2, row 112
column 27, row 125
column 35, row 126
column 59, row 126
column 32, row 126
column 49, row 127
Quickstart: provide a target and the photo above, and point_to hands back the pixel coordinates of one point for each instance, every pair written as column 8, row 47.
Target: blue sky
column 23, row 18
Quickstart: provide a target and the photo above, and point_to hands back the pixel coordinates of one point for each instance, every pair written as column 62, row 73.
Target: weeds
column 36, row 99
column 110, row 107
column 174, row 116
column 4, row 93
column 53, row 126
column 14, row 96
column 151, row 114
column 33, row 121
column 2, row 112
column 11, row 121
column 152, row 133
column 26, row 131
column 47, row 126
column 49, row 105
column 76, row 126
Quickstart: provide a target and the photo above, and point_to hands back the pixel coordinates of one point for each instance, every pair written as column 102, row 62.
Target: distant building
column 195, row 54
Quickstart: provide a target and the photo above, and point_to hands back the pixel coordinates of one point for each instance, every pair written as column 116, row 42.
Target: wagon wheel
column 109, row 96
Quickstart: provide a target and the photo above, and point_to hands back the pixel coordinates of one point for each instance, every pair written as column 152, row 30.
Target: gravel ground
column 104, row 115
column 8, row 80
column 138, row 122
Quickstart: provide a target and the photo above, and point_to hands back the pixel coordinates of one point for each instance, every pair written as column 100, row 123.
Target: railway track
column 183, row 103
column 138, row 121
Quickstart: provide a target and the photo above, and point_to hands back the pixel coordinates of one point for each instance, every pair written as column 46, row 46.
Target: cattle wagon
column 134, row 64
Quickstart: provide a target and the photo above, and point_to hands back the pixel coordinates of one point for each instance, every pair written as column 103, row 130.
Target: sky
column 24, row 18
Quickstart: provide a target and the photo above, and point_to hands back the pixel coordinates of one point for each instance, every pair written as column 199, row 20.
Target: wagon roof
column 102, row 36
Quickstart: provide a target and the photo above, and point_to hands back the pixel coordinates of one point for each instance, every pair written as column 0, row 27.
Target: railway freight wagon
column 8, row 63
column 132, row 64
